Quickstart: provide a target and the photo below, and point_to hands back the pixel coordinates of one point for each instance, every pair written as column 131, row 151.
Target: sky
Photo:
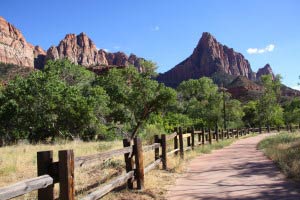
column 167, row 31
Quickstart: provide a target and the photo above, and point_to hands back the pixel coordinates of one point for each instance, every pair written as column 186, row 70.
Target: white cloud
column 155, row 28
column 268, row 48
column 296, row 87
column 106, row 50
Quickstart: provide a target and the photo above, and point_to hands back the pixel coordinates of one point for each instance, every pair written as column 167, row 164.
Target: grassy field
column 284, row 150
column 18, row 162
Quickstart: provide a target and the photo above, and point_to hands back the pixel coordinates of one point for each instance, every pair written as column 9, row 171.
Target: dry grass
column 284, row 150
column 19, row 162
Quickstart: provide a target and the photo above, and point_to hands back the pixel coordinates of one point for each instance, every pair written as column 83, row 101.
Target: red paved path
column 239, row 171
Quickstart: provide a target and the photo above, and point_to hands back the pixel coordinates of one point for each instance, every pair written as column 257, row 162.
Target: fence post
column 268, row 128
column 139, row 163
column 164, row 151
column 193, row 138
column 176, row 144
column 44, row 162
column 209, row 136
column 222, row 134
column 66, row 175
column 203, row 136
column 188, row 141
column 259, row 129
column 156, row 150
column 217, row 134
column 181, row 143
column 128, row 162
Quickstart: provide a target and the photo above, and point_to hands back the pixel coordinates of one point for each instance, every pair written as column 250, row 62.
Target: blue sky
column 167, row 31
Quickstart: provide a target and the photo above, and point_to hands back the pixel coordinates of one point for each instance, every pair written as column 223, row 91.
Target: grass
column 284, row 150
column 18, row 162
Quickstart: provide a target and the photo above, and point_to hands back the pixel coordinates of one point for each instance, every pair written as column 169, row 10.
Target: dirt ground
column 239, row 171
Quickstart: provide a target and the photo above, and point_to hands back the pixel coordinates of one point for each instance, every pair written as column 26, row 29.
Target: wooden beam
column 128, row 162
column 164, row 151
column 139, row 163
column 152, row 166
column 26, row 186
column 83, row 160
column 110, row 186
column 44, row 163
column 66, row 175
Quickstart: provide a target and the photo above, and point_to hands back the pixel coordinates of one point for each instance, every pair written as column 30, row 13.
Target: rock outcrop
column 266, row 70
column 13, row 47
column 80, row 49
column 208, row 58
column 15, row 50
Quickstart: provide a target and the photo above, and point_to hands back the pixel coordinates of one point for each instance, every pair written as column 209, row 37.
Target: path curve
column 239, row 171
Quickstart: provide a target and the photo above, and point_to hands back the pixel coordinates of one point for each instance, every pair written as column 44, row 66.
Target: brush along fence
column 62, row 172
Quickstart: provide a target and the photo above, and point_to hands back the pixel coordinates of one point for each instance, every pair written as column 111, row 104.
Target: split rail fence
column 62, row 172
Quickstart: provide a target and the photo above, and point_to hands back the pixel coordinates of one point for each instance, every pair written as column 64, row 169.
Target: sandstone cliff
column 266, row 70
column 80, row 49
column 208, row 58
column 14, row 49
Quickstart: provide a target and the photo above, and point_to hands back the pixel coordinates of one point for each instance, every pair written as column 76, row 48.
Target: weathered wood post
column 217, row 134
column 44, row 163
column 222, row 134
column 278, row 128
column 164, row 151
column 227, row 133
column 66, row 175
column 203, row 136
column 129, row 162
column 193, row 137
column 176, row 141
column 209, row 136
column 156, row 150
column 268, row 128
column 139, row 163
column 181, row 151
column 260, row 130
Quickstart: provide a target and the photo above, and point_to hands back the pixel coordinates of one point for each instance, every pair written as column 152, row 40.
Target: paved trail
column 239, row 171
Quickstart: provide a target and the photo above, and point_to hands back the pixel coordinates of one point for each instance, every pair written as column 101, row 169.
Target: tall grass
column 284, row 150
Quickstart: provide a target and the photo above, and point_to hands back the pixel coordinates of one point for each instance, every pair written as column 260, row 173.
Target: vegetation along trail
column 239, row 171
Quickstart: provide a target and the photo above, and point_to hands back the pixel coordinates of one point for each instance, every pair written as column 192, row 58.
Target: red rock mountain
column 14, row 49
column 80, row 49
column 266, row 70
column 208, row 58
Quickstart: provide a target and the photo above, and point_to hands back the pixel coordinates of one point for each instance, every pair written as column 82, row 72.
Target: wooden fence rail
column 62, row 171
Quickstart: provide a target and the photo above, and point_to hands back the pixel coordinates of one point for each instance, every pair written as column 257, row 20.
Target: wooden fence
column 62, row 171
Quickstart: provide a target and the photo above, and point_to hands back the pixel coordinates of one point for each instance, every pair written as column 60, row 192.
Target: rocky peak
column 80, row 49
column 208, row 57
column 266, row 70
column 13, row 47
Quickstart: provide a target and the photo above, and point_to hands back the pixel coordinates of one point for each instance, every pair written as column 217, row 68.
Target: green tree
column 250, row 118
column 134, row 96
column 52, row 103
column 292, row 112
column 269, row 110
column 201, row 101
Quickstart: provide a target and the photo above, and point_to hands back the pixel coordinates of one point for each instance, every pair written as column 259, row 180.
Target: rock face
column 208, row 58
column 13, row 47
column 266, row 70
column 15, row 50
column 81, row 50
